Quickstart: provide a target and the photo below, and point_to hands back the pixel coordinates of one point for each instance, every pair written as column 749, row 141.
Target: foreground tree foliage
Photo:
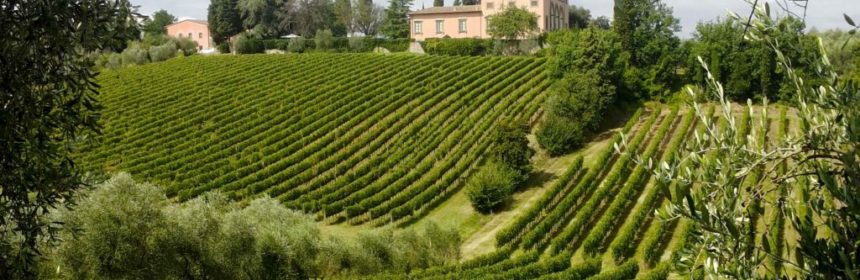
column 587, row 66
column 48, row 99
column 811, row 180
column 128, row 230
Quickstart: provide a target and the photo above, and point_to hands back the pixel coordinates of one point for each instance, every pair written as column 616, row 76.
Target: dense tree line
column 122, row 229
column 275, row 18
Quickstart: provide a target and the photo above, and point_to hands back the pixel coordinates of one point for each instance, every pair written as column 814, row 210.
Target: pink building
column 471, row 21
column 197, row 30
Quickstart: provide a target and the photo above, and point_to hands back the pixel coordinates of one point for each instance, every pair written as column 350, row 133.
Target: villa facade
column 471, row 21
column 197, row 30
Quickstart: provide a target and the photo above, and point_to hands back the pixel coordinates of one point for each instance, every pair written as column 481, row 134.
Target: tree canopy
column 396, row 24
column 512, row 23
column 156, row 25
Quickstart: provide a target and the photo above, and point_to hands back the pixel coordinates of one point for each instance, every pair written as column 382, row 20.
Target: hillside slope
column 355, row 137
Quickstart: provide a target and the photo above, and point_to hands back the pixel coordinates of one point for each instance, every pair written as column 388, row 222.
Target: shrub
column 490, row 187
column 558, row 134
column 360, row 44
column 134, row 55
column 163, row 52
column 223, row 47
column 127, row 230
column 511, row 148
column 247, row 44
column 324, row 40
column 186, row 45
column 297, row 45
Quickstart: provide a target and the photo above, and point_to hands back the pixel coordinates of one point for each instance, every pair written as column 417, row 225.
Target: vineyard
column 351, row 137
column 597, row 220
column 316, row 133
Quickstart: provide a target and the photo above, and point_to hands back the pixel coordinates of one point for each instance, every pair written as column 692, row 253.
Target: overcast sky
column 822, row 14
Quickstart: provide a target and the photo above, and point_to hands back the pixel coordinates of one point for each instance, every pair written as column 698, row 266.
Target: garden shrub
column 247, row 44
column 464, row 47
column 162, row 52
column 134, row 54
column 324, row 40
column 490, row 187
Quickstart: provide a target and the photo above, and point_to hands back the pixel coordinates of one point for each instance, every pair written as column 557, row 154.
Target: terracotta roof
column 200, row 21
column 448, row 10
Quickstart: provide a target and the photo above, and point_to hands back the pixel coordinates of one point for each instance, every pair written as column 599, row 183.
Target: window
column 440, row 26
column 512, row 3
column 189, row 35
column 179, row 35
column 200, row 35
column 418, row 27
column 490, row 5
column 462, row 25
column 534, row 3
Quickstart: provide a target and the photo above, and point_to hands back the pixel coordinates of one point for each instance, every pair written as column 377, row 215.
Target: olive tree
column 810, row 179
column 48, row 99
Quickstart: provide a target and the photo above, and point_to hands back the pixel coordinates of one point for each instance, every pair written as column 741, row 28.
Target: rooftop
column 448, row 10
column 200, row 21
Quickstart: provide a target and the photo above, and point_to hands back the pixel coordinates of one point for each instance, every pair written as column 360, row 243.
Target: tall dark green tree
column 471, row 2
column 647, row 29
column 438, row 3
column 580, row 17
column 224, row 20
column 156, row 25
column 587, row 65
column 48, row 95
column 396, row 24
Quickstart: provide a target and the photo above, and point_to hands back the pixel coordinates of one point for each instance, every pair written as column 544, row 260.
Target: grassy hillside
column 352, row 137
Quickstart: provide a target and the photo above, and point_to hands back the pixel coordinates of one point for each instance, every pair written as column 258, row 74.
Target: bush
column 587, row 67
column 186, row 45
column 324, row 40
column 490, row 187
column 127, row 230
column 297, row 45
column 465, row 47
column 559, row 135
column 511, row 148
column 163, row 52
column 360, row 44
column 223, row 47
column 247, row 44
column 134, row 55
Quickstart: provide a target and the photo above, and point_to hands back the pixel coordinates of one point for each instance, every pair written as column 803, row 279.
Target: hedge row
column 625, row 271
column 534, row 270
column 629, row 193
column 577, row 272
column 661, row 272
column 547, row 203
column 340, row 44
column 520, row 223
column 569, row 197
column 458, row 46
column 311, row 146
column 586, row 212
column 624, row 244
